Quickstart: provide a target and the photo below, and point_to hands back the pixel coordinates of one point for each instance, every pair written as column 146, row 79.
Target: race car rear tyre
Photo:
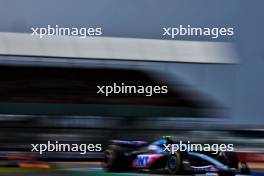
column 114, row 159
column 174, row 163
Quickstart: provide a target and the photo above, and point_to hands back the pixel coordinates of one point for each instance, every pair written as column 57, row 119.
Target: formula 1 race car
column 143, row 156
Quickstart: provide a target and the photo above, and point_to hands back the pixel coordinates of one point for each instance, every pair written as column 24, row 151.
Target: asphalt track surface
column 99, row 171
column 79, row 171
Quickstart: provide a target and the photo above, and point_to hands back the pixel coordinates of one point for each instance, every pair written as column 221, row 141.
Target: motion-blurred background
column 48, row 87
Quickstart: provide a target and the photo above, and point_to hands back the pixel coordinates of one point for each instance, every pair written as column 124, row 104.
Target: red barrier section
column 250, row 157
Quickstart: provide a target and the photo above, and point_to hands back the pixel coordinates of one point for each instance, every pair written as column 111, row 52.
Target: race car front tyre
column 231, row 160
column 174, row 163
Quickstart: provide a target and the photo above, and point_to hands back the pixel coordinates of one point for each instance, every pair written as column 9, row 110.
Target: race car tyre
column 244, row 168
column 174, row 163
column 231, row 160
column 114, row 159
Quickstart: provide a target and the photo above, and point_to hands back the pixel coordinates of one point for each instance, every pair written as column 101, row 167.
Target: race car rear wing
column 129, row 143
